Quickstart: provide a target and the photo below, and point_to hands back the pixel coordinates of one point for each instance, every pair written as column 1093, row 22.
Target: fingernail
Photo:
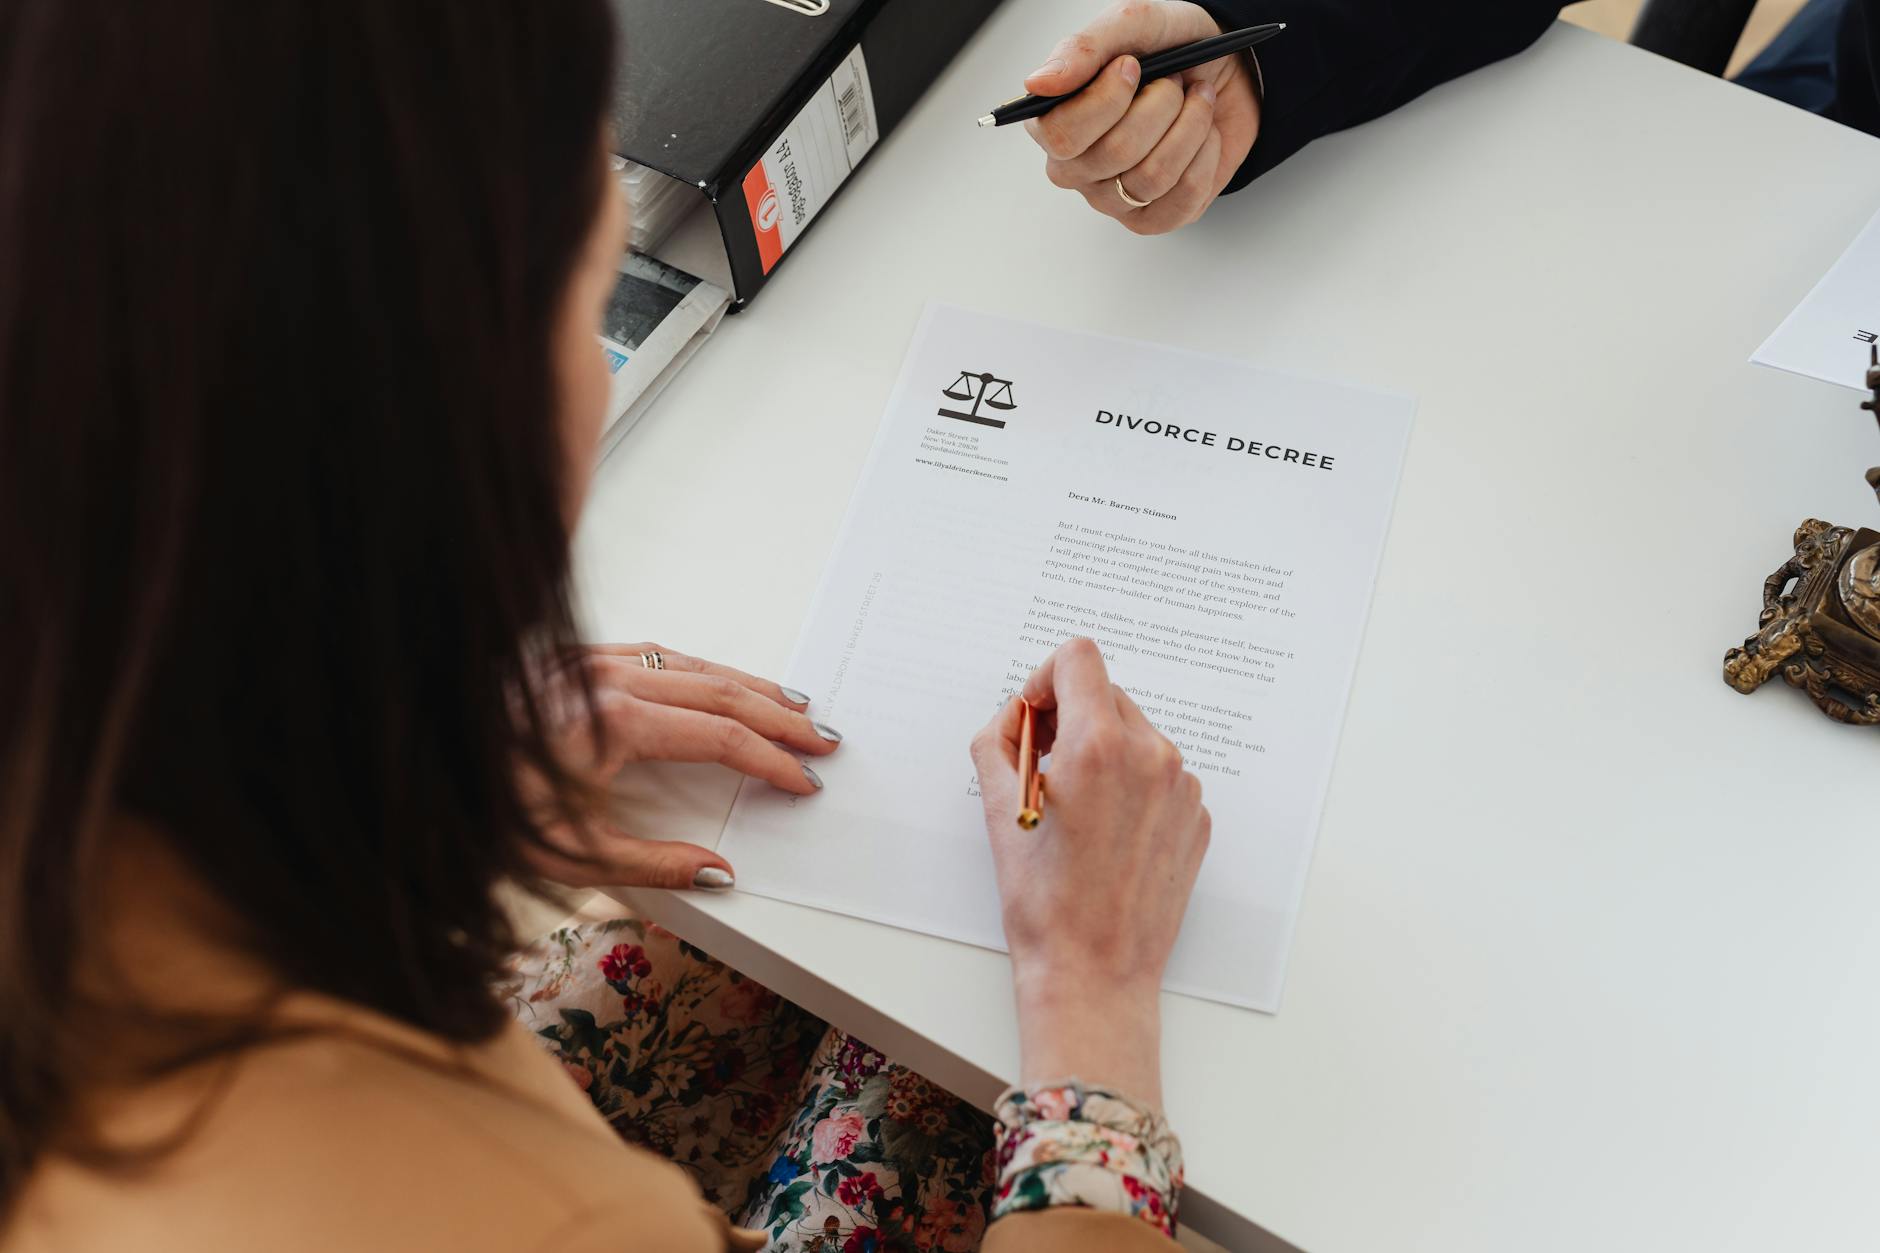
column 793, row 696
column 828, row 733
column 811, row 776
column 1206, row 92
column 714, row 878
column 1132, row 70
column 1054, row 66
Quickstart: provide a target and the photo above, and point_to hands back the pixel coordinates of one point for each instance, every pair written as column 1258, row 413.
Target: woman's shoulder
column 359, row 1134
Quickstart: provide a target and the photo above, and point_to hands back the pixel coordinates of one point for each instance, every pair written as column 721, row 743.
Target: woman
column 299, row 396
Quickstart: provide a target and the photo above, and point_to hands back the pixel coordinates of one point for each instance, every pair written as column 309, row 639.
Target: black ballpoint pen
column 1160, row 65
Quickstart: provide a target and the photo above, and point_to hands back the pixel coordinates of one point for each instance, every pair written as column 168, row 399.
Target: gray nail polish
column 811, row 776
column 713, row 878
column 793, row 696
column 828, row 732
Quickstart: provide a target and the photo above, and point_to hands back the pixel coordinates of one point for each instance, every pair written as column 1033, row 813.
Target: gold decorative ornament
column 1820, row 622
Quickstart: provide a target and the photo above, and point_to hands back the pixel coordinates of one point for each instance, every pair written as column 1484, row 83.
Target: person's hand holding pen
column 1093, row 897
column 1153, row 159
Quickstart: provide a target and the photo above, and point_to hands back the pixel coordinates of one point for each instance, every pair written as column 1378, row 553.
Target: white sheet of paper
column 1228, row 589
column 1829, row 334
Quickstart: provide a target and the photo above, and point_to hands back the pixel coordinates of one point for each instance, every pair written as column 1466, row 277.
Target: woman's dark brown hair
column 281, row 511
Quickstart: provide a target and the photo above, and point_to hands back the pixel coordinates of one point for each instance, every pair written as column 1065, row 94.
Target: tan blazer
column 371, row 1136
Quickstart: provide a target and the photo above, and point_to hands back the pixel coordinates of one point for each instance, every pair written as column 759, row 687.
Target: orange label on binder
column 766, row 214
column 810, row 159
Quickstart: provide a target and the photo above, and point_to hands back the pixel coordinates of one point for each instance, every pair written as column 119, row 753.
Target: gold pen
column 1030, row 778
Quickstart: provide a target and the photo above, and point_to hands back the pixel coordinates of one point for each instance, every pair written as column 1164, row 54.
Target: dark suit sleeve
column 1342, row 62
column 1856, row 67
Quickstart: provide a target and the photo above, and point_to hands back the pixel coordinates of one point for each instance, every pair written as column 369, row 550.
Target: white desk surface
column 1590, row 953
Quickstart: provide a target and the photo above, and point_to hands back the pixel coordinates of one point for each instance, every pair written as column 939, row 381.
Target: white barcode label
column 855, row 106
column 818, row 149
column 854, row 117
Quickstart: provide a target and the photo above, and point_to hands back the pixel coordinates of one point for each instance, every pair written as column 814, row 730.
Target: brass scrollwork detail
column 1820, row 624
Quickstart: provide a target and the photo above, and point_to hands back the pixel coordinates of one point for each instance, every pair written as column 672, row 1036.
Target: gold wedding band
column 1128, row 199
column 652, row 660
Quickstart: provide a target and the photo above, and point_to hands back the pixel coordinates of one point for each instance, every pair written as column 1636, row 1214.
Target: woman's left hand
column 690, row 711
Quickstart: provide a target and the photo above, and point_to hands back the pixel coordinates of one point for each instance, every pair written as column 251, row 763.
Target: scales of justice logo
column 981, row 389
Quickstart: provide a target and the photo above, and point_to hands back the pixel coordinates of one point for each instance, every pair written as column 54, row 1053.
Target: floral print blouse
column 806, row 1133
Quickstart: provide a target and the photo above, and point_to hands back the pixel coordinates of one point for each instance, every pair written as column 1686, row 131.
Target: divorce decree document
column 1215, row 527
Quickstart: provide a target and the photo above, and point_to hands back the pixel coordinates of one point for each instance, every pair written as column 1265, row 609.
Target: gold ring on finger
column 1128, row 199
column 652, row 660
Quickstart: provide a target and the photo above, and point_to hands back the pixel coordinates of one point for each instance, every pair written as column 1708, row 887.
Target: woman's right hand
column 1093, row 897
